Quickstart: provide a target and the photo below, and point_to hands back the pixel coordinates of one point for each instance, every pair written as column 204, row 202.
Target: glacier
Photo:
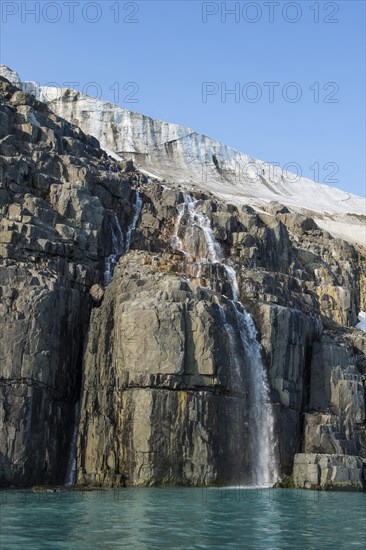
column 181, row 156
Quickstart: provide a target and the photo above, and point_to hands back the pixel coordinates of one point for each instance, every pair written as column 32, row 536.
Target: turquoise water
column 182, row 518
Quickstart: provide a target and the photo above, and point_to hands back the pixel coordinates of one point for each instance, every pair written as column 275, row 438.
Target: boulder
column 96, row 292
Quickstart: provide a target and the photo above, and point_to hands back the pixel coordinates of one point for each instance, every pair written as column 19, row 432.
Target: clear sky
column 162, row 54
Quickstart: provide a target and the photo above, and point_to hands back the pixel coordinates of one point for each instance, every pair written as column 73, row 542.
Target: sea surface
column 182, row 518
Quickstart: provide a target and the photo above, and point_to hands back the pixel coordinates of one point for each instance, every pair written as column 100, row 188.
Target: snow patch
column 112, row 154
column 362, row 321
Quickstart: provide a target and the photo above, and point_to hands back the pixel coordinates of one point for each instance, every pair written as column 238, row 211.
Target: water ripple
column 182, row 519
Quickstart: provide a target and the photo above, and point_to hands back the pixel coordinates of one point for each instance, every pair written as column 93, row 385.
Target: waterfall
column 136, row 214
column 262, row 440
column 71, row 466
column 117, row 250
column 231, row 275
column 249, row 372
column 120, row 247
column 176, row 241
column 197, row 234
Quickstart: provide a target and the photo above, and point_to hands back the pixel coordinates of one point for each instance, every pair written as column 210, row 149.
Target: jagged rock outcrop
column 132, row 360
column 330, row 472
column 337, row 390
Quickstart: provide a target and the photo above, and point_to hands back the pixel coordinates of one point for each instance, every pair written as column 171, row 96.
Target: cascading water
column 119, row 246
column 136, row 214
column 197, row 226
column 245, row 350
column 259, row 407
column 71, row 467
column 117, row 250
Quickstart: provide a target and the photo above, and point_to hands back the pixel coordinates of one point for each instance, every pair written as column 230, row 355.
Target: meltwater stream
column 71, row 467
column 196, row 240
column 119, row 246
column 117, row 249
column 196, row 229
column 136, row 214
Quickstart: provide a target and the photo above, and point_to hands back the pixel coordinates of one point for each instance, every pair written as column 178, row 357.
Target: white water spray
column 245, row 350
column 120, row 247
column 136, row 214
column 72, row 463
column 117, row 250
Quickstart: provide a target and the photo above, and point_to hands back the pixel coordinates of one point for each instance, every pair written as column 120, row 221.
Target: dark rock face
column 148, row 358
column 337, row 390
column 57, row 194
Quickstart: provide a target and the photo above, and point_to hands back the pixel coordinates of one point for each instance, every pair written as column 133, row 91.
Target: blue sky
column 163, row 53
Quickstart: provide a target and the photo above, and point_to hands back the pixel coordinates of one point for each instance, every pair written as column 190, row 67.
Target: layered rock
column 148, row 359
column 329, row 472
column 337, row 390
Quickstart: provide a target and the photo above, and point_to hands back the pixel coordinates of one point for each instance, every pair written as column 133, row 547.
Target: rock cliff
column 128, row 355
column 58, row 197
